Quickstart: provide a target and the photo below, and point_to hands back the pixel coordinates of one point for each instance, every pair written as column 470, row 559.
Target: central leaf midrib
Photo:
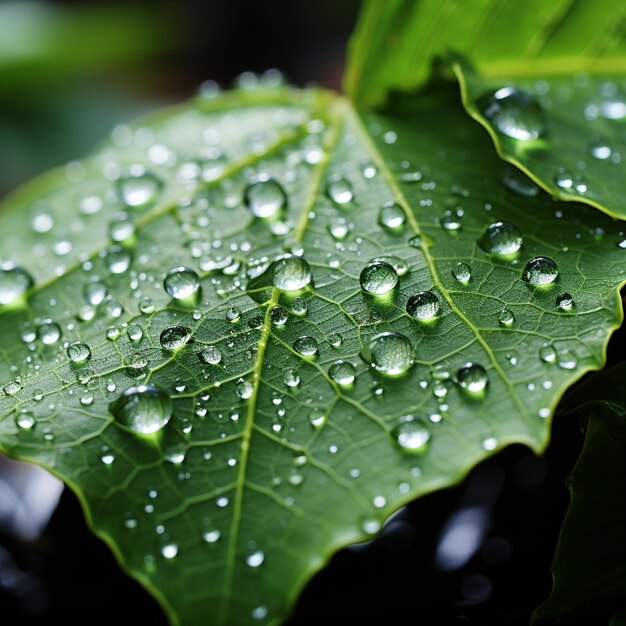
column 337, row 117
column 402, row 201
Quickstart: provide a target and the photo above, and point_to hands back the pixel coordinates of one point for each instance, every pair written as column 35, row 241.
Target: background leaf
column 271, row 459
column 572, row 145
column 588, row 570
column 396, row 41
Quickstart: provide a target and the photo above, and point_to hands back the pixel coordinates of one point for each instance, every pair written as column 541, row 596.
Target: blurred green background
column 71, row 70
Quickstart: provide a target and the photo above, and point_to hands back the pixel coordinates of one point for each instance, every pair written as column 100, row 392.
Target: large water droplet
column 25, row 421
column 139, row 187
column 515, row 114
column 338, row 189
column 390, row 353
column 244, row 389
column 265, row 197
column 78, row 352
column 472, row 378
column 540, row 271
column 410, row 435
column 290, row 273
column 424, row 305
column 378, row 278
column 501, row 238
column 143, row 409
column 342, row 372
column 14, row 282
column 211, row 355
column 306, row 346
column 181, row 283
column 174, row 337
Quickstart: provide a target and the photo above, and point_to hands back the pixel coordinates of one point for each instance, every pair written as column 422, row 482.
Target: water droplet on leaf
column 515, row 114
column 181, row 283
column 424, row 305
column 540, row 271
column 501, row 238
column 144, row 409
column 378, row 278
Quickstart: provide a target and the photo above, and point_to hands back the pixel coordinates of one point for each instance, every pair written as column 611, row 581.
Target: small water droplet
column 342, row 372
column 95, row 293
column 540, row 271
column 462, row 273
column 134, row 332
column 547, row 353
column 339, row 229
column 506, row 317
column 306, row 346
column 291, row 378
column 567, row 360
column 78, row 352
column 501, row 238
column 564, row 301
column 12, row 387
column 169, row 551
column 519, row 183
column 423, row 305
column 244, row 389
column 25, row 421
column 233, row 315
column 118, row 259
column 515, row 114
column 338, row 189
column 265, row 197
column 317, row 418
column 181, row 283
column 255, row 559
column 139, row 187
column 600, row 150
column 390, row 353
column 49, row 332
column 370, row 525
column 290, row 273
column 410, row 435
column 211, row 355
column 472, row 378
column 450, row 221
column 378, row 278
column 259, row 612
column 143, row 409
column 15, row 281
column 391, row 216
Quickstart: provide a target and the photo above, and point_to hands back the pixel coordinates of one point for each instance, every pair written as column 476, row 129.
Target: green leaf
column 589, row 568
column 564, row 132
column 395, row 41
column 273, row 457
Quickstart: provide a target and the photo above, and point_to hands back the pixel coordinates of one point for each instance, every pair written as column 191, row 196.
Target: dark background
column 55, row 110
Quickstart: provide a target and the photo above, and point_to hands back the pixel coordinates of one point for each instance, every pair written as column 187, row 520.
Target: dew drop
column 279, row 315
column 519, row 183
column 391, row 353
column 49, row 332
column 12, row 387
column 25, row 421
column 134, row 332
column 547, row 353
column 181, row 283
column 143, row 409
column 462, row 273
column 450, row 221
column 391, row 216
column 118, row 259
column 233, row 315
column 564, row 301
column 306, row 346
column 291, row 378
column 423, row 305
column 506, row 317
column 95, row 293
column 515, row 114
column 342, row 372
column 169, row 551
column 540, row 271
column 265, row 197
column 139, row 187
column 211, row 536
column 410, row 435
column 501, row 238
column 255, row 559
column 290, row 273
column 567, row 360
column 338, row 189
column 339, row 229
column 174, row 337
column 378, row 278
column 14, row 282
column 211, row 355
column 472, row 378
column 244, row 389
column 78, row 352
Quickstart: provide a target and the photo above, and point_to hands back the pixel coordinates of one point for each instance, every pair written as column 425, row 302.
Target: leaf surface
column 588, row 570
column 577, row 153
column 271, row 459
column 395, row 41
